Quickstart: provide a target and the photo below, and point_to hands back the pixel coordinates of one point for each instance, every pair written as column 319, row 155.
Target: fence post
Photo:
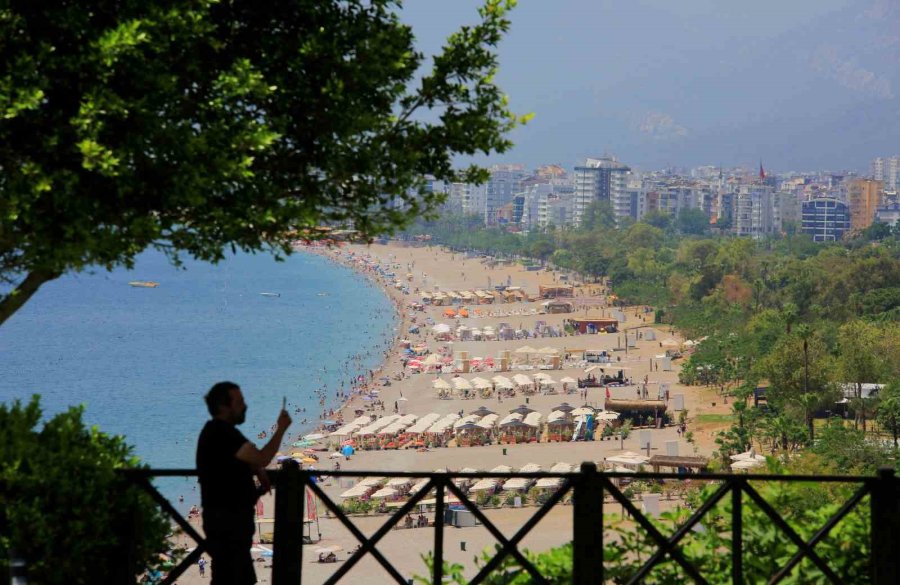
column 587, row 545
column 885, row 528
column 288, row 534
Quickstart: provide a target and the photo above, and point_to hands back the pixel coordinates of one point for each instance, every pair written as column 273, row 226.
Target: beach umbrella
column 547, row 351
column 461, row 384
column 347, row 450
column 309, row 460
column 607, row 415
column 569, row 380
column 481, row 383
column 522, row 380
column 432, row 360
column 441, row 328
column 583, row 410
column 565, row 407
column 521, row 409
column 441, row 385
column 526, row 349
column 335, row 455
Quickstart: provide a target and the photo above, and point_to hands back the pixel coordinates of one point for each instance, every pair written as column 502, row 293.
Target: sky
column 798, row 84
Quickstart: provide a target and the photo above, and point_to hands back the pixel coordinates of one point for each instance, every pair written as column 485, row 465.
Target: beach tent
column 510, row 417
column 489, row 483
column 482, row 411
column 628, row 458
column 424, row 423
column 552, row 482
column 385, row 492
column 372, row 481
column 357, row 491
column 533, row 419
column 525, row 350
column 522, row 483
column 488, row 421
column 557, row 416
column 522, row 380
column 481, row 383
column 522, row 410
column 399, row 482
column 503, row 382
column 466, row 420
column 461, row 384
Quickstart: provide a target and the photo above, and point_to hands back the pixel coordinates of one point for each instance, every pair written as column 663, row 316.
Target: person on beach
column 226, row 465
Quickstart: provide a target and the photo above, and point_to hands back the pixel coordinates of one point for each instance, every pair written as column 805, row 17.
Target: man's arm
column 248, row 453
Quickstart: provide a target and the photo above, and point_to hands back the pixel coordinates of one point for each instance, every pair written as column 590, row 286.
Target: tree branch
column 12, row 302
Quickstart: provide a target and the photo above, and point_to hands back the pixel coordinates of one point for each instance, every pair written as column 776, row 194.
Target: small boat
column 144, row 283
column 270, row 294
column 322, row 294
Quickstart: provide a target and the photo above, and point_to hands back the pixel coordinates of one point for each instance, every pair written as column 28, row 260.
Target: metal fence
column 588, row 488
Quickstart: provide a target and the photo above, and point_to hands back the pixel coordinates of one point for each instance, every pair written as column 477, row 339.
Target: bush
column 64, row 506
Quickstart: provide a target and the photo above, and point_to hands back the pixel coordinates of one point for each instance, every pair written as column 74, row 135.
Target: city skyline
column 802, row 85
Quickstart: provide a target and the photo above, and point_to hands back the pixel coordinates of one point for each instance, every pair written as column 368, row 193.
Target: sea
column 141, row 359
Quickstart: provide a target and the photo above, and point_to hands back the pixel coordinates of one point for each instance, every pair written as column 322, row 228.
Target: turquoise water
column 141, row 359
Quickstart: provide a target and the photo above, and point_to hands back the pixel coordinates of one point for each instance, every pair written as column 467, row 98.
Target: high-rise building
column 863, row 196
column 598, row 179
column 887, row 170
column 753, row 210
column 504, row 184
column 466, row 198
column 826, row 219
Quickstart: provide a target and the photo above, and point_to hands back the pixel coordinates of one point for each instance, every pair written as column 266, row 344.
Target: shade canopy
column 441, row 384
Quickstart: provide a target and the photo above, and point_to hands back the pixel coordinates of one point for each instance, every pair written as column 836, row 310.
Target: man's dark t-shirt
column 226, row 483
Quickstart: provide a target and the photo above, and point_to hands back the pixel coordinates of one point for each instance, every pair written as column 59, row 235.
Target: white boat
column 144, row 283
column 270, row 294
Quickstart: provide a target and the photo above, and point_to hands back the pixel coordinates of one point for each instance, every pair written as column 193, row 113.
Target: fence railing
column 589, row 489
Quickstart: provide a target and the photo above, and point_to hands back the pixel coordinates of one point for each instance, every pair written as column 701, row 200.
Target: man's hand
column 265, row 485
column 284, row 420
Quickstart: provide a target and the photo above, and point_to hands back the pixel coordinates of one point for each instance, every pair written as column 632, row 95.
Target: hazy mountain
column 800, row 84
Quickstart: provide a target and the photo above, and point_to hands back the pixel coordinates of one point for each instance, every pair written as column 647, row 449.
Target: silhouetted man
column 227, row 463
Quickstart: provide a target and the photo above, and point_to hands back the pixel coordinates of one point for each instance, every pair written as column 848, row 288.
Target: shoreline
column 400, row 322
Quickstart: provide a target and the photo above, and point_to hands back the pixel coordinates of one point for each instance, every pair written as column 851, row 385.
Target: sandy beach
column 431, row 269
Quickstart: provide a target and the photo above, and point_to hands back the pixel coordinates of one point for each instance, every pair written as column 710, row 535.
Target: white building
column 887, row 169
column 598, row 179
column 753, row 210
column 466, row 198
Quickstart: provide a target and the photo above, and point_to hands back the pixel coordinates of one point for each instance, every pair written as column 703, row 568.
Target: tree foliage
column 63, row 502
column 195, row 126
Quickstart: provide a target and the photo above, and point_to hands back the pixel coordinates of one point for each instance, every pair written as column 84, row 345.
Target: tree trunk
column 14, row 301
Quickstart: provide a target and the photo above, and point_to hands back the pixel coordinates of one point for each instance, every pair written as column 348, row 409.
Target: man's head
column 225, row 401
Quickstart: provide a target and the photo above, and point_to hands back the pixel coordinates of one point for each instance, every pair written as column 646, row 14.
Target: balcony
column 587, row 498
